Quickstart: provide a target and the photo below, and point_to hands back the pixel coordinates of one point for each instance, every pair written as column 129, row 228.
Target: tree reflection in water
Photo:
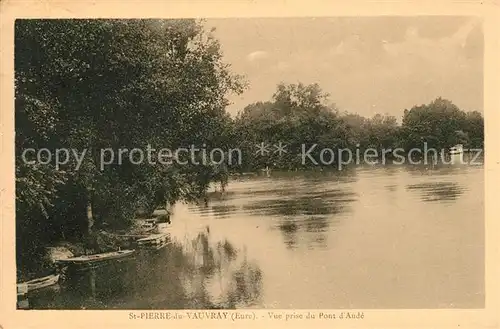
column 307, row 216
column 220, row 276
column 437, row 191
column 190, row 274
column 218, row 210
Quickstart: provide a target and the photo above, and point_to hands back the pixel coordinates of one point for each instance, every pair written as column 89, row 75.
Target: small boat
column 148, row 229
column 162, row 225
column 457, row 149
column 149, row 223
column 154, row 242
column 22, row 289
column 155, row 247
column 91, row 259
column 139, row 230
column 23, row 304
column 42, row 282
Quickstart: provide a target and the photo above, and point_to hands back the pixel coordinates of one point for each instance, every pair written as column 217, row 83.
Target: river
column 362, row 238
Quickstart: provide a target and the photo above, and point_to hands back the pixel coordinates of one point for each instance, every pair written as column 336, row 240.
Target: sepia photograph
column 206, row 168
column 236, row 163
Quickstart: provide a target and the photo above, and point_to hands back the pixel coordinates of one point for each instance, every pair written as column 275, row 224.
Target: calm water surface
column 386, row 237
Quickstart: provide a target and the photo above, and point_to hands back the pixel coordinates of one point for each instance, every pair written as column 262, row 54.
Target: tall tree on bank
column 440, row 124
column 113, row 84
column 298, row 115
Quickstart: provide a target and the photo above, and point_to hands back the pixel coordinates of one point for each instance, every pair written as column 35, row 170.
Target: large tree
column 440, row 124
column 298, row 116
column 119, row 84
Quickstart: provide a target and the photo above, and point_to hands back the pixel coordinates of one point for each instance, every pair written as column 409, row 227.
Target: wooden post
column 90, row 216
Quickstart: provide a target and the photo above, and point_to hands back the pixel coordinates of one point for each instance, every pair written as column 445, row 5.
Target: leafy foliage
column 301, row 115
column 119, row 84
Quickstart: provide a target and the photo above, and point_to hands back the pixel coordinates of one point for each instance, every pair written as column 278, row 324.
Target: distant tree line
column 97, row 84
column 300, row 115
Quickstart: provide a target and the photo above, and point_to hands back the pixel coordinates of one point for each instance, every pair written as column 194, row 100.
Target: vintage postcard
column 249, row 163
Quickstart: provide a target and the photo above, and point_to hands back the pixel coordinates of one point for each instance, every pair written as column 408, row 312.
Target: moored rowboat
column 42, row 282
column 161, row 227
column 152, row 238
column 155, row 241
column 22, row 289
column 91, row 259
column 154, row 247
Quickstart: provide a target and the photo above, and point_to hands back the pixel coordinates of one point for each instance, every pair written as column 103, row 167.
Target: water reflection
column 312, row 230
column 216, row 279
column 367, row 240
column 289, row 230
column 303, row 205
column 391, row 188
column 195, row 274
column 346, row 175
column 309, row 203
column 437, row 170
column 218, row 210
column 437, row 191
column 218, row 195
column 306, row 216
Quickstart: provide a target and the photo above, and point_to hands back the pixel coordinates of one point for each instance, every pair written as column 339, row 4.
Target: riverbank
column 42, row 261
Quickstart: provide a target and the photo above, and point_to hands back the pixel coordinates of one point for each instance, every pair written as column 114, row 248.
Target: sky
column 368, row 65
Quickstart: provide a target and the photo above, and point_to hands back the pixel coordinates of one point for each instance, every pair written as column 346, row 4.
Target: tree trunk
column 90, row 216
